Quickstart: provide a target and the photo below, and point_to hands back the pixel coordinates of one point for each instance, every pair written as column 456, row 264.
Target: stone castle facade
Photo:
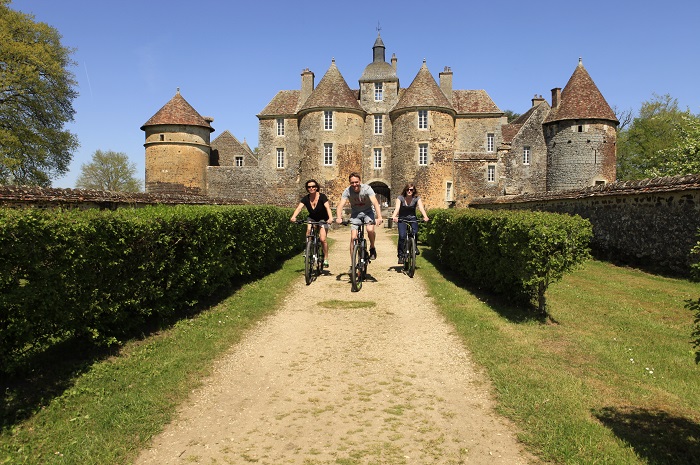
column 456, row 145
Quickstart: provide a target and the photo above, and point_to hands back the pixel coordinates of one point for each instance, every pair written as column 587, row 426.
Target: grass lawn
column 611, row 380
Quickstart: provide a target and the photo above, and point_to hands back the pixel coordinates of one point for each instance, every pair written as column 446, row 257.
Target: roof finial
column 580, row 61
column 379, row 29
column 178, row 90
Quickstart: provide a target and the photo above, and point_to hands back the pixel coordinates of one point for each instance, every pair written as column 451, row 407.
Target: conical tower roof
column 423, row 92
column 332, row 92
column 379, row 70
column 178, row 111
column 581, row 99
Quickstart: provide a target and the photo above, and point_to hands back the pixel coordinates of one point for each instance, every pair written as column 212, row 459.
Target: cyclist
column 364, row 204
column 319, row 209
column 406, row 204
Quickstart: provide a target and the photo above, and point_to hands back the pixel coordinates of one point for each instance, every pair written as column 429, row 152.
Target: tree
column 109, row 171
column 36, row 95
column 684, row 157
column 511, row 115
column 640, row 148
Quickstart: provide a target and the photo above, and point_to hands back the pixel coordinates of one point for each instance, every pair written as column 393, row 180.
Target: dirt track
column 386, row 382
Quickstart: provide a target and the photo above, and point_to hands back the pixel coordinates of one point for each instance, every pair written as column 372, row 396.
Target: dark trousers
column 402, row 234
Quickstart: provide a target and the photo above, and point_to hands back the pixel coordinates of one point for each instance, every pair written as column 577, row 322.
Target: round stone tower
column 423, row 138
column 177, row 149
column 331, row 123
column 580, row 132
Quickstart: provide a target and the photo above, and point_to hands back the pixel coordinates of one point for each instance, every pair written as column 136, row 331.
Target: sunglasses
column 311, row 187
column 410, row 190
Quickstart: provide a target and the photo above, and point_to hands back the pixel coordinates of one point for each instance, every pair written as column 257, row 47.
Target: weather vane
column 379, row 28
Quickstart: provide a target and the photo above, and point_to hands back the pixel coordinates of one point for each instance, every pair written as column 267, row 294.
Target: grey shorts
column 361, row 217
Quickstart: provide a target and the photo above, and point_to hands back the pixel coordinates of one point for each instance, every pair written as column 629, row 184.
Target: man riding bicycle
column 364, row 205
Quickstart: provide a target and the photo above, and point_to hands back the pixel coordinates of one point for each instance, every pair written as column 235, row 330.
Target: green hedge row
column 517, row 254
column 103, row 274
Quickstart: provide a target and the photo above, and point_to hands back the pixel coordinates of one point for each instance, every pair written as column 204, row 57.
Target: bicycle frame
column 313, row 254
column 360, row 257
column 409, row 246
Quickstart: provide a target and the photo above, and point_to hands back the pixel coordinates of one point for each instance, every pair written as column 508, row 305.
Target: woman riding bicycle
column 406, row 204
column 319, row 209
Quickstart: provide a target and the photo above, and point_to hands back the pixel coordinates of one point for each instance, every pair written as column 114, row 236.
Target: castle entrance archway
column 382, row 192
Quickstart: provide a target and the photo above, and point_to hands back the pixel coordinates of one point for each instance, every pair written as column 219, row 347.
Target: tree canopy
column 661, row 141
column 36, row 95
column 109, row 171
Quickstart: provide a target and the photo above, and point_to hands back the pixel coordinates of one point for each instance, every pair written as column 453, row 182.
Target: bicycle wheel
column 356, row 272
column 411, row 256
column 309, row 261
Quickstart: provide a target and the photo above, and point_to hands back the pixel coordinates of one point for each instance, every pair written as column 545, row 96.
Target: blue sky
column 229, row 58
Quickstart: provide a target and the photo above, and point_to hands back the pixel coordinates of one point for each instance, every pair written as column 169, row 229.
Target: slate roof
column 423, row 92
column 178, row 111
column 284, row 103
column 473, row 101
column 581, row 99
column 379, row 69
column 332, row 92
column 509, row 131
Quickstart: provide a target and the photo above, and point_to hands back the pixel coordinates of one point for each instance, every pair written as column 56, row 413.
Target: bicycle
column 360, row 257
column 409, row 246
column 313, row 253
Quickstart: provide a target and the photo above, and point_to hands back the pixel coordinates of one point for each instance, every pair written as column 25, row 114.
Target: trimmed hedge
column 517, row 254
column 103, row 274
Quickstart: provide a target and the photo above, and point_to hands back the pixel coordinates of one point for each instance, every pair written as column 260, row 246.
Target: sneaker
column 372, row 253
column 400, row 260
column 325, row 263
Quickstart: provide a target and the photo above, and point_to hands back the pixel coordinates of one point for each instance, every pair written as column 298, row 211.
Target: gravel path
column 382, row 379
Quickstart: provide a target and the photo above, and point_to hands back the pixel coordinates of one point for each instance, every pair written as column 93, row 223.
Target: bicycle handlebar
column 347, row 222
column 312, row 222
column 406, row 219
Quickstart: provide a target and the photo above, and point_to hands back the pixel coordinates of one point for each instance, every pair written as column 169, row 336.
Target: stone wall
column 49, row 197
column 651, row 223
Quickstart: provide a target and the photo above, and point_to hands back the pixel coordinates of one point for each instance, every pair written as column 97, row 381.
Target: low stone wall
column 42, row 197
column 652, row 223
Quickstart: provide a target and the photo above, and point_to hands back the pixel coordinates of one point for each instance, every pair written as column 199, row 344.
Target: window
column 526, row 155
column 280, row 126
column 377, row 158
column 448, row 191
column 378, row 91
column 239, row 161
column 162, row 137
column 378, row 124
column 490, row 142
column 280, row 158
column 491, row 173
column 327, row 120
column 422, row 119
column 327, row 154
column 423, row 154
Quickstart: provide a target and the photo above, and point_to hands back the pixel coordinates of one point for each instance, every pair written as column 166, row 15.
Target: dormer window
column 490, row 142
column 280, row 126
column 378, row 91
column 328, row 120
column 422, row 119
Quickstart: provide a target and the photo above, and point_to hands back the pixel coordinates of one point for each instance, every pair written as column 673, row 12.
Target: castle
column 456, row 145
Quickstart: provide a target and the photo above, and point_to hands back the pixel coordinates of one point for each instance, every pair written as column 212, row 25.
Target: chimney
column 446, row 83
column 307, row 85
column 556, row 97
column 393, row 61
column 536, row 100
